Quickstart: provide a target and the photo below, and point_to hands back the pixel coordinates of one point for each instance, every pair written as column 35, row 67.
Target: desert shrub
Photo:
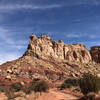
column 30, row 88
column 89, row 83
column 39, row 86
column 64, row 86
column 16, row 87
column 68, row 83
column 2, row 88
column 72, row 81
column 27, row 90
column 90, row 96
column 10, row 94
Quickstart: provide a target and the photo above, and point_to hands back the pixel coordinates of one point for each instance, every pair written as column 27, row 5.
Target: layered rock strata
column 45, row 46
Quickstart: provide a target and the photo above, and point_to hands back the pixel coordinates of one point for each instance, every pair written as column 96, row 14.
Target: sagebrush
column 89, row 83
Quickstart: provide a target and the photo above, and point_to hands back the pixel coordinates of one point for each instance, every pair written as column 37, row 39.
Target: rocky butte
column 45, row 46
column 51, row 60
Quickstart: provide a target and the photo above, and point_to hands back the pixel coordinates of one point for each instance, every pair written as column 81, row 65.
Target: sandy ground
column 57, row 95
column 52, row 94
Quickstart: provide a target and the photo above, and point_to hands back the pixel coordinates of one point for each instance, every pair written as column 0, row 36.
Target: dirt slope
column 57, row 95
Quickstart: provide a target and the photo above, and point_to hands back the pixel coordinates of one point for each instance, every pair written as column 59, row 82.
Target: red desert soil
column 52, row 94
column 57, row 95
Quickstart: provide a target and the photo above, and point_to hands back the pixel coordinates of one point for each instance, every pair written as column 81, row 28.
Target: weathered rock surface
column 95, row 53
column 50, row 60
column 45, row 46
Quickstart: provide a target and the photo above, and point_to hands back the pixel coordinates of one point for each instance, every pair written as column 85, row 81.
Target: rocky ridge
column 50, row 60
column 45, row 46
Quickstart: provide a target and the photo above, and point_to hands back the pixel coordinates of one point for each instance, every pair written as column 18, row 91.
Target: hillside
column 52, row 61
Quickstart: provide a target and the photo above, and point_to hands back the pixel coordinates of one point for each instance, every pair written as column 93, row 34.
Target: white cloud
column 9, row 49
column 87, row 2
column 80, row 35
column 95, row 2
column 18, row 46
column 93, row 36
column 4, row 34
column 73, row 35
column 8, row 57
column 89, row 44
column 20, row 6
column 28, row 6
column 6, row 39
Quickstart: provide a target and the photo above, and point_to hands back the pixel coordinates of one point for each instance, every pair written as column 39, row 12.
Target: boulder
column 8, row 77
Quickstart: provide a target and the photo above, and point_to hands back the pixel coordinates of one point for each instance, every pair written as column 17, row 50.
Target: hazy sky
column 73, row 21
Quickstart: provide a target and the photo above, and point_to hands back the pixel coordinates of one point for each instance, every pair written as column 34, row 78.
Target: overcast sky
column 73, row 21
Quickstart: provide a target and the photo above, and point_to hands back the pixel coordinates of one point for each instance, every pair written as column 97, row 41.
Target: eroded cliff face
column 95, row 53
column 45, row 46
column 50, row 60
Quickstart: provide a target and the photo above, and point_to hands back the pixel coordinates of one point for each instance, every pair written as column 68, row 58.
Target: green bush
column 39, row 86
column 10, row 94
column 2, row 88
column 27, row 90
column 90, row 96
column 89, row 83
column 16, row 87
column 72, row 81
column 68, row 83
column 64, row 86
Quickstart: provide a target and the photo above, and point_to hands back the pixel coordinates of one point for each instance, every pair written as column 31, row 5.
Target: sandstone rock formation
column 95, row 53
column 50, row 60
column 45, row 46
